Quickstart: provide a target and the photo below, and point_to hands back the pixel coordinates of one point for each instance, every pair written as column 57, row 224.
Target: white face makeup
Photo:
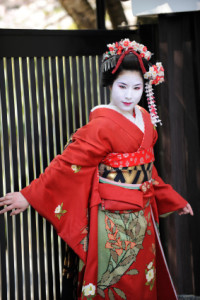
column 127, row 90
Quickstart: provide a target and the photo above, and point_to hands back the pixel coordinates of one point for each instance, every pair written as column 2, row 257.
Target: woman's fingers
column 13, row 201
column 6, row 209
column 6, row 198
column 16, row 212
column 190, row 210
column 5, row 202
column 186, row 210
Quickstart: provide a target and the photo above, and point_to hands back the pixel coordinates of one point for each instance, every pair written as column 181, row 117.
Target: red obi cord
column 117, row 160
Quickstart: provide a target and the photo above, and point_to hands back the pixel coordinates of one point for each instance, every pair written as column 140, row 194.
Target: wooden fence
column 49, row 81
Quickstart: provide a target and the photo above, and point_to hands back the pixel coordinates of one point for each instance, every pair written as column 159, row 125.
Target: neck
column 125, row 113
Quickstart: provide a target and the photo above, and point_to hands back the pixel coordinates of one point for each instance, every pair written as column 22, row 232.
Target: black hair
column 129, row 63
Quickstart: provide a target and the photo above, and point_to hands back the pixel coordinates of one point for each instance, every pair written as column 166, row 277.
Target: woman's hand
column 14, row 201
column 186, row 210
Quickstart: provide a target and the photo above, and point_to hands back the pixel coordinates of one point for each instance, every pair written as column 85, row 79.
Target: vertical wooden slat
column 52, row 107
column 41, row 113
column 46, row 225
column 11, row 257
column 58, row 75
column 79, row 91
column 66, row 98
column 24, row 181
column 55, row 145
column 62, row 99
column 61, row 106
column 17, row 180
column 48, row 108
column 88, row 83
column 74, row 96
column 98, row 80
column 30, row 173
column 43, row 164
column 55, row 105
column 81, row 88
column 35, row 151
column 49, row 257
column 39, row 164
column 93, row 72
column 101, row 89
column 3, row 241
column 4, row 160
column 86, row 96
column 69, row 90
column 60, row 119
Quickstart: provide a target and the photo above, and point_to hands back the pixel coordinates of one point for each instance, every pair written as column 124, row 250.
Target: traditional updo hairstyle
column 129, row 63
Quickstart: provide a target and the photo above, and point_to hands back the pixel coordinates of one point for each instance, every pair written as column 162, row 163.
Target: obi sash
column 139, row 157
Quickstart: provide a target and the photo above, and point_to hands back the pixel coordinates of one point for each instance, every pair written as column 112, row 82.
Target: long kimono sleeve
column 62, row 193
column 167, row 199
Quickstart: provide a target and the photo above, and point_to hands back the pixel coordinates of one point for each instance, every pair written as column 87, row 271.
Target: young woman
column 103, row 194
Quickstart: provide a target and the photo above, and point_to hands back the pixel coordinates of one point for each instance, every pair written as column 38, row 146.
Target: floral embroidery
column 145, row 187
column 150, row 275
column 129, row 159
column 75, row 168
column 115, row 243
column 125, row 232
column 59, row 211
column 89, row 290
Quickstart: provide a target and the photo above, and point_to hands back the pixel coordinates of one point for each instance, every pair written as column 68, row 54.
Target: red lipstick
column 127, row 103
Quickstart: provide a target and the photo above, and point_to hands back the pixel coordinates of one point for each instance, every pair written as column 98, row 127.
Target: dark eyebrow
column 138, row 84
column 122, row 82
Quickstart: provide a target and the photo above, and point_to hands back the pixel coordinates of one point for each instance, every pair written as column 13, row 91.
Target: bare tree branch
column 116, row 13
column 81, row 12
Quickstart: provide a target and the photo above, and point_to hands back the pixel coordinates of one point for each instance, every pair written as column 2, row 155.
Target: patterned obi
column 129, row 175
column 127, row 186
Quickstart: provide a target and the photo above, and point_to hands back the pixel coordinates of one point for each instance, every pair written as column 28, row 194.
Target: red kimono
column 112, row 228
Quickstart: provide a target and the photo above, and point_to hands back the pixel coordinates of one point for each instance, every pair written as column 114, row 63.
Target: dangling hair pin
column 155, row 74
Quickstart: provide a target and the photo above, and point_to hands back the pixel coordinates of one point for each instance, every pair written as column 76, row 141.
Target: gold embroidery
column 130, row 175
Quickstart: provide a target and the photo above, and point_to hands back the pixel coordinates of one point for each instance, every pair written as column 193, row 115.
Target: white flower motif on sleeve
column 75, row 168
column 59, row 211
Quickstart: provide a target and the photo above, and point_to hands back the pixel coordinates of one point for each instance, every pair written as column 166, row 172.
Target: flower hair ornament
column 155, row 74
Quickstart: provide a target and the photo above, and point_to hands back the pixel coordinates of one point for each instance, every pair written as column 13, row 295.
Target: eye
column 121, row 86
column 137, row 88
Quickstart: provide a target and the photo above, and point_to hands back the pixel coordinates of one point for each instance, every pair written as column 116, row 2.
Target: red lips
column 127, row 103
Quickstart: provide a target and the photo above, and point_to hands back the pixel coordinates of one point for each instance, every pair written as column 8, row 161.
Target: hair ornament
column 155, row 75
column 118, row 48
column 152, row 104
column 113, row 58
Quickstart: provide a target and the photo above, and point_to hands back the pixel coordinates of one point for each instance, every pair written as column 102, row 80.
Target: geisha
column 103, row 193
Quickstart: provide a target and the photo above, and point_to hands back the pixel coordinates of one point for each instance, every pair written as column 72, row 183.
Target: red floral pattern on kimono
column 70, row 184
